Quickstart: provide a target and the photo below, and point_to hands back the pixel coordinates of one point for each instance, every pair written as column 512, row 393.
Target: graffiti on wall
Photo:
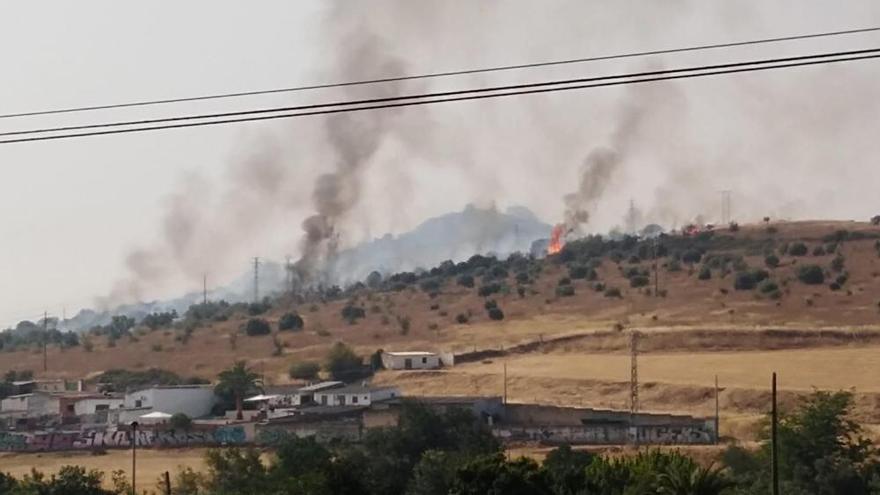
column 81, row 440
column 653, row 435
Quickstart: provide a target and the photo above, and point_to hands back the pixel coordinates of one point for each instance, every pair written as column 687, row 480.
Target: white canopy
column 261, row 398
column 156, row 415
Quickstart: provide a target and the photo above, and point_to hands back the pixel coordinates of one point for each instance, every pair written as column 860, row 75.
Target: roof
column 19, row 396
column 358, row 389
column 320, row 386
column 412, row 353
column 171, row 387
column 24, row 382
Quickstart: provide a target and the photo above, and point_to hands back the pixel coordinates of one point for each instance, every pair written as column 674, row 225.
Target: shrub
column 461, row 318
column 768, row 286
column 564, row 281
column 744, row 281
column 598, row 287
column 760, row 275
column 578, row 272
column 488, row 290
column 818, row 251
column 290, row 321
column 837, row 263
column 465, row 281
column 521, row 291
column 811, row 275
column 613, row 292
column 691, row 256
column 257, row 326
column 496, row 314
column 705, row 273
column 875, row 220
column 797, row 249
column 351, row 313
column 489, row 304
column 639, row 281
column 565, row 291
column 305, row 370
column 343, row 364
column 180, row 421
column 522, row 278
column 771, row 260
column 834, row 286
column 673, row 266
column 430, row 285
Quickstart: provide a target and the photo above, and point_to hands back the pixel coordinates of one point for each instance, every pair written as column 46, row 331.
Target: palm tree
column 238, row 381
column 680, row 478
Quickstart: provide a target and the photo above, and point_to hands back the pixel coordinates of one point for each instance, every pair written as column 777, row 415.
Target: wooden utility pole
column 45, row 340
column 774, row 447
column 134, row 427
column 717, row 413
column 504, row 401
column 167, row 483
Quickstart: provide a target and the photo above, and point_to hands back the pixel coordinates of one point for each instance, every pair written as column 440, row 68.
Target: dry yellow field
column 798, row 369
column 151, row 463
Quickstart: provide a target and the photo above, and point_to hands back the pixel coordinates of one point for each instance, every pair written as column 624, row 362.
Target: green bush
column 768, row 286
column 565, row 291
column 578, row 272
column 837, row 264
column 613, row 292
column 488, row 290
column 639, row 281
column 290, row 321
column 496, row 314
column 744, row 281
column 563, row 281
column 305, row 370
column 771, row 260
column 465, row 281
column 797, row 249
column 257, row 326
column 461, row 318
column 351, row 313
column 811, row 275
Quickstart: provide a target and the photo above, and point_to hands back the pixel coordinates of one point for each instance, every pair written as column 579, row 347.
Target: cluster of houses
column 327, row 410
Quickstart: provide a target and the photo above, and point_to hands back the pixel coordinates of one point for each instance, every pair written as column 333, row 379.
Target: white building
column 307, row 395
column 355, row 395
column 195, row 401
column 88, row 406
column 414, row 360
column 31, row 405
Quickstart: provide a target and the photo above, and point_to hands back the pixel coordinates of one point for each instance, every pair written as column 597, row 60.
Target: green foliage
column 211, row 310
column 461, row 318
column 157, row 320
column 565, row 291
column 291, row 321
column 771, row 260
column 768, row 287
column 343, row 364
column 180, row 421
column 488, row 289
column 567, row 469
column 613, row 292
column 797, row 249
column 496, row 314
column 639, row 281
column 465, row 281
column 237, row 382
column 563, row 281
column 691, row 256
column 374, row 280
column 120, row 380
column 838, row 263
column 811, row 274
column 745, row 281
column 256, row 327
column 492, row 474
column 352, row 313
column 705, row 273
column 304, row 370
column 236, row 471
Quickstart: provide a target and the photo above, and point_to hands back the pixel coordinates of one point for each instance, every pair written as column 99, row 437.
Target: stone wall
column 105, row 439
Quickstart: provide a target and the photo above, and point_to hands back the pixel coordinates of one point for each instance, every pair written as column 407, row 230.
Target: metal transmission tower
column 256, row 279
column 725, row 207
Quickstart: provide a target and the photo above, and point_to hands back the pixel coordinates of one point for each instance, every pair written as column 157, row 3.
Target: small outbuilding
column 411, row 360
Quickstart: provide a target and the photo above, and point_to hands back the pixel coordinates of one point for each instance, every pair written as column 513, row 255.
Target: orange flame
column 556, row 241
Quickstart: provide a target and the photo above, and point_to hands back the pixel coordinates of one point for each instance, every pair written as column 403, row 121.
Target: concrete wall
column 609, row 434
column 341, row 398
column 83, row 407
column 32, row 405
column 323, row 431
column 42, row 442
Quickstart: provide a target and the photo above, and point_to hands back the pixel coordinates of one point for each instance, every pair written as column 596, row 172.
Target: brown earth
column 812, row 336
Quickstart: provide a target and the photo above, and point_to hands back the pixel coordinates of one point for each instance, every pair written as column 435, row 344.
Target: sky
column 793, row 144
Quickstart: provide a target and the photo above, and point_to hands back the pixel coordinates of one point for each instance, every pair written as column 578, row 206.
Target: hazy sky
column 794, row 144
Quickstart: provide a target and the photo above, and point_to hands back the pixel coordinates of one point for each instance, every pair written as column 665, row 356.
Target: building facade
column 413, row 360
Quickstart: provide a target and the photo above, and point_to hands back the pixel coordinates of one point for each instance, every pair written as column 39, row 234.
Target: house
column 413, row 360
column 307, row 395
column 355, row 395
column 32, row 405
column 89, row 408
column 195, row 401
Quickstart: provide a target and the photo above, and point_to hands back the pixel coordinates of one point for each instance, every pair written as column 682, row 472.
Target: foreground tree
column 236, row 382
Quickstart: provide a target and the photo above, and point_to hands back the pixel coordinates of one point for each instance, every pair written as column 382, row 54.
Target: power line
column 433, row 75
column 473, row 94
column 443, row 94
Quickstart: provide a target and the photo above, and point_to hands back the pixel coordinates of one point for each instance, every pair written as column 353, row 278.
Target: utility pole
column 256, row 279
column 634, row 383
column 717, row 415
column 289, row 268
column 45, row 340
column 656, row 275
column 504, row 401
column 774, row 450
column 134, row 427
column 725, row 207
column 205, row 289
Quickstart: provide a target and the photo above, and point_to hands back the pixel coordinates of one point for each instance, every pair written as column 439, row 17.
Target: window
column 70, row 408
column 354, row 399
column 138, row 403
column 424, row 360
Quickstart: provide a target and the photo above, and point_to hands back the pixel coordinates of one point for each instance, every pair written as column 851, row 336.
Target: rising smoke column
column 355, row 138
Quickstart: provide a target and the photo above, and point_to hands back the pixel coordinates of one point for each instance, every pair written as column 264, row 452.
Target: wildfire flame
column 556, row 241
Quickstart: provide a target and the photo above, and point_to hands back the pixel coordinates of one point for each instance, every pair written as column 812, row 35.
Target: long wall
column 38, row 442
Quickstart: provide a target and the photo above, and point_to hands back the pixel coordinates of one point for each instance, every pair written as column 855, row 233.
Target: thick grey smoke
column 798, row 143
column 354, row 139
